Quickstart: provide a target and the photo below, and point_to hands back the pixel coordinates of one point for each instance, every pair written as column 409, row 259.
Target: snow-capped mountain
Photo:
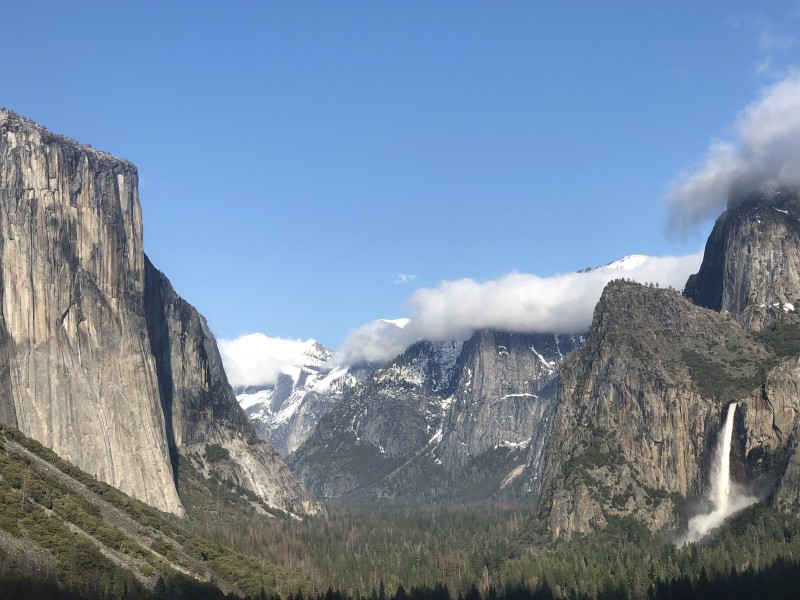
column 439, row 410
column 307, row 386
column 627, row 263
column 442, row 420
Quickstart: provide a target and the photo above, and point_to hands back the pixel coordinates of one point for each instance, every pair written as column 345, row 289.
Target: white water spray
column 724, row 495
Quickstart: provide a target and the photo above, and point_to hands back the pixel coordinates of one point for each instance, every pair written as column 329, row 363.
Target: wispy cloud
column 773, row 45
column 517, row 302
column 765, row 153
column 402, row 278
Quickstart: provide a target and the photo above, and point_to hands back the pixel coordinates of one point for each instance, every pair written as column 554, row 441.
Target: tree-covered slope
column 64, row 532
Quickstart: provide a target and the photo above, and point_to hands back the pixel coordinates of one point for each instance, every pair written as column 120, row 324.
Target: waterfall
column 721, row 485
column 723, row 494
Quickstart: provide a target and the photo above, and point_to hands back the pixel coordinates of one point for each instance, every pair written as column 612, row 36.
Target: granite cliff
column 287, row 412
column 100, row 360
column 445, row 420
column 640, row 406
column 751, row 265
column 200, row 408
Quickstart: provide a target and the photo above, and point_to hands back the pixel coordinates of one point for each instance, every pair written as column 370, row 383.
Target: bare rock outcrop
column 639, row 408
column 77, row 373
column 200, row 407
column 501, row 397
column 751, row 265
column 100, row 360
column 418, row 424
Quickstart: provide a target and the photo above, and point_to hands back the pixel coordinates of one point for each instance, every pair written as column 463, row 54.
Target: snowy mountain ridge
column 306, row 387
column 308, row 383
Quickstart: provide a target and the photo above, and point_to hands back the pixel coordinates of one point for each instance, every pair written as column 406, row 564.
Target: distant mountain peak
column 781, row 197
column 632, row 261
column 751, row 264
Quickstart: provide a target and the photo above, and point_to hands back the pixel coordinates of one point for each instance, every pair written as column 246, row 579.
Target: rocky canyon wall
column 100, row 359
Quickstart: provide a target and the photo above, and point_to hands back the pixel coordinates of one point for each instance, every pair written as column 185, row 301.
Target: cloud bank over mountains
column 256, row 359
column 764, row 155
column 453, row 310
column 517, row 302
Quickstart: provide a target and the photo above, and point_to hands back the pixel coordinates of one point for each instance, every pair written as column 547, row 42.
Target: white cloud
column 404, row 278
column 256, row 359
column 765, row 154
column 375, row 341
column 517, row 302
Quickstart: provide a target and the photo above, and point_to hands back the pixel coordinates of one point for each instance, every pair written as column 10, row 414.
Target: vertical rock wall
column 634, row 431
column 200, row 407
column 76, row 370
column 751, row 265
column 501, row 397
column 100, row 359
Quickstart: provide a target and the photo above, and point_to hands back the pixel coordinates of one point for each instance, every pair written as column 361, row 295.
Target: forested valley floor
column 66, row 535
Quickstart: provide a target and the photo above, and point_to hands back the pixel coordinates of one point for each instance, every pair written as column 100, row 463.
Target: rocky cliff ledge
column 640, row 406
column 99, row 359
column 751, row 266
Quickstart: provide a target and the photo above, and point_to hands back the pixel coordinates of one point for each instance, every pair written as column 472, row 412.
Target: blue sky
column 297, row 158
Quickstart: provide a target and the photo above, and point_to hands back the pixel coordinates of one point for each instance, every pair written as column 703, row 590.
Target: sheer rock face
column 771, row 433
column 501, row 396
column 633, row 434
column 200, row 407
column 751, row 270
column 77, row 373
column 640, row 406
column 99, row 359
column 751, row 266
column 426, row 416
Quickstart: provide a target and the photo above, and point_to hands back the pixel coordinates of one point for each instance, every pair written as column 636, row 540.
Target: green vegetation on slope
column 502, row 546
column 83, row 539
column 91, row 539
column 734, row 370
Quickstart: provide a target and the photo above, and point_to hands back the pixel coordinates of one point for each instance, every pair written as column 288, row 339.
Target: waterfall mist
column 726, row 498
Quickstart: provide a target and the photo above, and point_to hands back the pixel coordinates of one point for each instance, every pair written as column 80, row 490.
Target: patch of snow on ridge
column 521, row 395
column 513, row 445
column 248, row 400
column 627, row 263
column 329, row 381
column 549, row 364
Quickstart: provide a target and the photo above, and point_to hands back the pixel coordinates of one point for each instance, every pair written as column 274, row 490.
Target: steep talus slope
column 751, row 266
column 639, row 408
column 441, row 417
column 100, row 360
